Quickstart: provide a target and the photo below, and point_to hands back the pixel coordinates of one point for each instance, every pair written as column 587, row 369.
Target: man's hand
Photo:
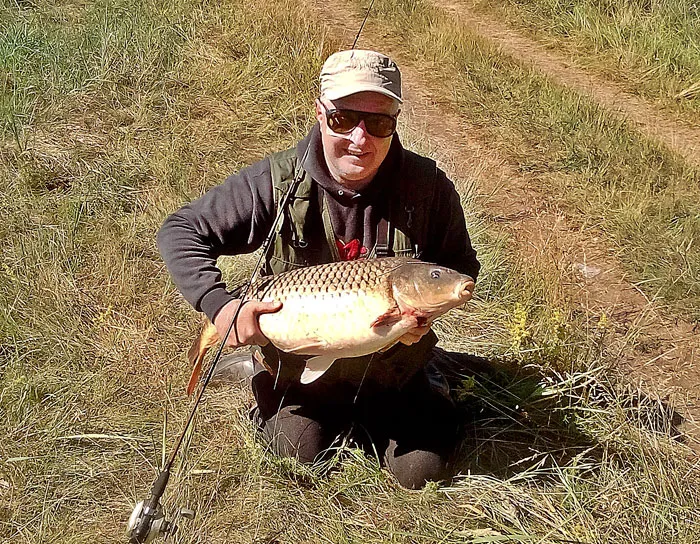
column 247, row 330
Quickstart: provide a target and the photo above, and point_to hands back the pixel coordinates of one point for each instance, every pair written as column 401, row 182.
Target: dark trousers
column 414, row 430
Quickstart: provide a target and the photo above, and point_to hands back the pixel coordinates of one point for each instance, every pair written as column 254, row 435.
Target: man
column 360, row 195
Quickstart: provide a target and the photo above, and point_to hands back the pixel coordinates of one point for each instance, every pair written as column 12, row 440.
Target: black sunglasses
column 380, row 125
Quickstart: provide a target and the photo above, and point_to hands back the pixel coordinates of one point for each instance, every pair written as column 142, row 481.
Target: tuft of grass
column 55, row 50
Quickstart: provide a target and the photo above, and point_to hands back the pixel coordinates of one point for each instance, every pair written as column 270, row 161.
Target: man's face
column 354, row 158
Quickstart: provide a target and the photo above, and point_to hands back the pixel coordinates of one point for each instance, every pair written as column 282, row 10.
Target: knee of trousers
column 413, row 469
column 291, row 434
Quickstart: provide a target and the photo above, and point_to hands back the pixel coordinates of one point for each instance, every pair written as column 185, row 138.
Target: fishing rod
column 148, row 521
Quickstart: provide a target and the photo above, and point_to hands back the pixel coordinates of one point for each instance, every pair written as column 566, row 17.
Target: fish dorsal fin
column 316, row 367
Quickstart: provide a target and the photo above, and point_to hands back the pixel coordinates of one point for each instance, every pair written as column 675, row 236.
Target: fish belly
column 336, row 324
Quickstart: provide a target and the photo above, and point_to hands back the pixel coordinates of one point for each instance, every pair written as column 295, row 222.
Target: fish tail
column 206, row 339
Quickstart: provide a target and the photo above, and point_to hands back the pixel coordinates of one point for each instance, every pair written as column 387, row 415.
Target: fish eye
column 435, row 274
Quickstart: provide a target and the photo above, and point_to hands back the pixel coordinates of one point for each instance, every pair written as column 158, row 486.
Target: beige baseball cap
column 349, row 72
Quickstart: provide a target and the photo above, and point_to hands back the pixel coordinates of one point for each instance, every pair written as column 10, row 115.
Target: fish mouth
column 464, row 290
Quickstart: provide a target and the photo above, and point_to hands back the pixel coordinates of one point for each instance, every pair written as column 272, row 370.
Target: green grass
column 51, row 51
column 651, row 47
column 606, row 174
column 121, row 112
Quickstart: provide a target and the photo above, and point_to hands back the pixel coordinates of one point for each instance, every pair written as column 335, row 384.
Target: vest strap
column 328, row 225
column 384, row 244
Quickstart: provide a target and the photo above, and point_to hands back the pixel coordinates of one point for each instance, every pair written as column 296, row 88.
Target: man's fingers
column 265, row 307
column 256, row 336
column 247, row 330
column 470, row 287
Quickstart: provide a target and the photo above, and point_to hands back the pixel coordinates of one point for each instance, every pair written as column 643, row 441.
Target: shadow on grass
column 515, row 418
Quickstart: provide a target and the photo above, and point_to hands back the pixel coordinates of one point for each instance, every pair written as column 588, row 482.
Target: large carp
column 347, row 309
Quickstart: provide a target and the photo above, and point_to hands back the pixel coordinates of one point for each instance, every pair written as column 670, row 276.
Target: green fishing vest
column 305, row 236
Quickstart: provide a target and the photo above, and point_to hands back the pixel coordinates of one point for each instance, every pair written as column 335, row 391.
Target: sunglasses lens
column 381, row 126
column 343, row 121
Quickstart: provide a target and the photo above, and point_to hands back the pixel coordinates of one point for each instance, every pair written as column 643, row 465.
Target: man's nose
column 359, row 134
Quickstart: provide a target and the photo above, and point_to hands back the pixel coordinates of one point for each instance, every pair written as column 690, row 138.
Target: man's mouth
column 357, row 153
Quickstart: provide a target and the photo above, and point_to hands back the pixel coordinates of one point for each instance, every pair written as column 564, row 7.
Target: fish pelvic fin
column 316, row 367
column 206, row 339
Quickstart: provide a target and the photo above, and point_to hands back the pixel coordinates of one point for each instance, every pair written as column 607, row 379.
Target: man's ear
column 319, row 111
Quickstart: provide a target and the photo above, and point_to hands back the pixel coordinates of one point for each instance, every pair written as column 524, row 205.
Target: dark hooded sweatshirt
column 236, row 216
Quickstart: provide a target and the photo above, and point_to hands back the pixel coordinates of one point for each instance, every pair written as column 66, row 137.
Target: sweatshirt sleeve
column 450, row 242
column 230, row 219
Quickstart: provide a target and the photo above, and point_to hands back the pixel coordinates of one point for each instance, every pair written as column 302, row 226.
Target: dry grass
column 119, row 112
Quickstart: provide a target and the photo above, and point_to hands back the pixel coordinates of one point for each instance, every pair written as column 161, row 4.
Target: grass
column 605, row 173
column 652, row 47
column 119, row 112
column 112, row 108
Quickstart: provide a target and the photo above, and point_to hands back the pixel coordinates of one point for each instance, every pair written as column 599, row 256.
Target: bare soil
column 661, row 359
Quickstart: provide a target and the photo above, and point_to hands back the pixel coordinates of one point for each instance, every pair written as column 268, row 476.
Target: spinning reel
column 146, row 525
column 148, row 522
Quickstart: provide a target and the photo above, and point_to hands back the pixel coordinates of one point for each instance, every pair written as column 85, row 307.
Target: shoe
column 234, row 368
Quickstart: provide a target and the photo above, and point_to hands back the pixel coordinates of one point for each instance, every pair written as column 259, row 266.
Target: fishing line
column 362, row 25
column 279, row 409
column 357, row 393
column 278, row 372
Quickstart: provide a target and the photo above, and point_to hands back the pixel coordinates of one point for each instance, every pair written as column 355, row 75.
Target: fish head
column 428, row 289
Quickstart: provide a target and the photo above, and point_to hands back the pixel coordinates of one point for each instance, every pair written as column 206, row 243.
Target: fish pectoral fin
column 316, row 367
column 391, row 316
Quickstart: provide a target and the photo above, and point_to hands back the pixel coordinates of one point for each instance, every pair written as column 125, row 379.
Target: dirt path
column 662, row 360
column 664, row 127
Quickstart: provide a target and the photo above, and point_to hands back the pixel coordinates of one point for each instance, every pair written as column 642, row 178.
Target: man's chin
column 354, row 178
column 357, row 168
column 354, row 173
